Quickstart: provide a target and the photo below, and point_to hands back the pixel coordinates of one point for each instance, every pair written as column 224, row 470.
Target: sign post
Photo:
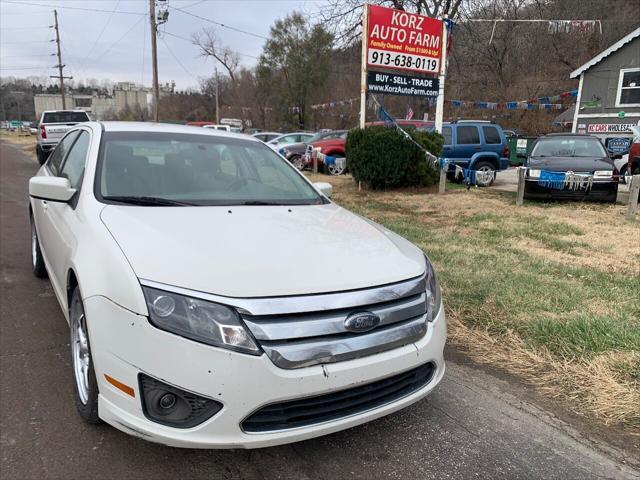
column 441, row 77
column 363, row 66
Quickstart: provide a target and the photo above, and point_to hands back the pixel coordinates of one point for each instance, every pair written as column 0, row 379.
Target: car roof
column 266, row 133
column 568, row 134
column 168, row 128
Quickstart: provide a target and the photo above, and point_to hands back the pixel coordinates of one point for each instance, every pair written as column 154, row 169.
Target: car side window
column 73, row 167
column 58, row 154
column 491, row 135
column 468, row 135
column 446, row 133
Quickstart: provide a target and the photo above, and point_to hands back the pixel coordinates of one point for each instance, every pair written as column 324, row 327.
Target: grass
column 549, row 292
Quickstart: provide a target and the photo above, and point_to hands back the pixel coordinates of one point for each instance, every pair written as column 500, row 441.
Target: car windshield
column 65, row 117
column 149, row 168
column 569, row 147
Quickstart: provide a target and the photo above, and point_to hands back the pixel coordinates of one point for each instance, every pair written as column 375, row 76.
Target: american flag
column 409, row 113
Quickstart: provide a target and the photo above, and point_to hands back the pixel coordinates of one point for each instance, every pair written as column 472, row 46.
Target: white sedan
column 174, row 254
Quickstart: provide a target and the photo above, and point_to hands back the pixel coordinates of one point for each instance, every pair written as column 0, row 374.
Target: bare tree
column 211, row 46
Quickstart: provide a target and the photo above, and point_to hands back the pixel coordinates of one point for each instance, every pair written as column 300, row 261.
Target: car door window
column 491, row 135
column 58, row 154
column 73, row 167
column 446, row 133
column 468, row 135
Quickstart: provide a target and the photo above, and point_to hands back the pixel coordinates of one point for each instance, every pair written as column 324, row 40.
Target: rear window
column 468, row 135
column 65, row 117
column 491, row 135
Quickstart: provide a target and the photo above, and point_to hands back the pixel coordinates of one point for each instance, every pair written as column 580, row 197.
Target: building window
column 629, row 88
column 82, row 102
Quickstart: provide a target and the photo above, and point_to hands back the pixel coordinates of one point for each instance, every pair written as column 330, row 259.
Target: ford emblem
column 360, row 322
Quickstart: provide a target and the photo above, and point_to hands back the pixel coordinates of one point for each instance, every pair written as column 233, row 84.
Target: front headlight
column 434, row 295
column 534, row 173
column 199, row 320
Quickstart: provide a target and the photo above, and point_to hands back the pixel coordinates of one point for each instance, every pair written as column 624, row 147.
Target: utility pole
column 154, row 59
column 60, row 65
column 217, row 102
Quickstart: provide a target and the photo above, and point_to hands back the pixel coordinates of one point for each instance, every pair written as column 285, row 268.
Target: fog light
column 168, row 405
column 168, row 400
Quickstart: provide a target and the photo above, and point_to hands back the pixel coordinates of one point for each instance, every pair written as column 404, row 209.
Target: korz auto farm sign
column 403, row 40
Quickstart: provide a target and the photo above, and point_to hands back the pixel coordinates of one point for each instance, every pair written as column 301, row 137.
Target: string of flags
column 338, row 103
column 540, row 103
column 562, row 180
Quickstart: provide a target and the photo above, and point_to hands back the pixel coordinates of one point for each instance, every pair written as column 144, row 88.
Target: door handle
column 45, row 205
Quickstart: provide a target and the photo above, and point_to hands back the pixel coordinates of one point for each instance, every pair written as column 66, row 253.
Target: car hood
column 574, row 164
column 260, row 251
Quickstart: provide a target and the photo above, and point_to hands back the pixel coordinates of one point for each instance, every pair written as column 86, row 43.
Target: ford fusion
column 194, row 319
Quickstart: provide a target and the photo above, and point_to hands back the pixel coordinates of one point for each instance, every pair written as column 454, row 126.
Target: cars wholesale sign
column 403, row 40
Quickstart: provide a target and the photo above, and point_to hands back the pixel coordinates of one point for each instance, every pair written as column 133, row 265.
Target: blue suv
column 475, row 145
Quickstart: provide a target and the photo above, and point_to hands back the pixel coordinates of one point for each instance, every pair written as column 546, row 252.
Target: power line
column 70, row 8
column 22, row 67
column 176, row 59
column 84, row 60
column 101, row 57
column 26, row 28
column 235, row 29
column 28, row 41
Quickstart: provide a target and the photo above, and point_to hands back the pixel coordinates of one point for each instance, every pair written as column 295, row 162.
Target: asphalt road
column 474, row 425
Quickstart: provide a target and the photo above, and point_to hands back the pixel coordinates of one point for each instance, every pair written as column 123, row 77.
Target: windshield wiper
column 147, row 201
column 260, row 202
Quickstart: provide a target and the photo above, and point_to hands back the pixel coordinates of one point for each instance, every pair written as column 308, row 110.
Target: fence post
column 443, row 178
column 314, row 153
column 520, row 195
column 634, row 189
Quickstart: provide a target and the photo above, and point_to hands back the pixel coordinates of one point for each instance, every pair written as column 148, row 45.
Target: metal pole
column 154, row 59
column 443, row 74
column 60, row 65
column 363, row 65
column 217, row 101
column 634, row 191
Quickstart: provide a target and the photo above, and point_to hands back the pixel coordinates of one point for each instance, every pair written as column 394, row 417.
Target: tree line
column 307, row 63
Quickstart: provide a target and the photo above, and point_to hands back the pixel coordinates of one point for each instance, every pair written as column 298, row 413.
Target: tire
column 485, row 166
column 334, row 169
column 37, row 261
column 297, row 162
column 42, row 156
column 623, row 174
column 85, row 385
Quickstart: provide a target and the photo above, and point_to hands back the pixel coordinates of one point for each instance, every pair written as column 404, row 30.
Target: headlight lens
column 434, row 295
column 199, row 320
column 534, row 173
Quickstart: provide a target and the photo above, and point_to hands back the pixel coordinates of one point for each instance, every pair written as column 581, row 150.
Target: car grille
column 340, row 404
column 295, row 339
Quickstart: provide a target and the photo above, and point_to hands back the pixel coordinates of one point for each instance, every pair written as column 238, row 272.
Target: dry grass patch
column 549, row 292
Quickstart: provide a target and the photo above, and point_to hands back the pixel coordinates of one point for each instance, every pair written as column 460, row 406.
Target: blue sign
column 618, row 144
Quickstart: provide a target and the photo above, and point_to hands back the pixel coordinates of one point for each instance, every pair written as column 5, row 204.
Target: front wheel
column 37, row 262
column 85, row 384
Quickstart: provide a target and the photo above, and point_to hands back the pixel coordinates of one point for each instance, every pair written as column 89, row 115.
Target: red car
column 334, row 147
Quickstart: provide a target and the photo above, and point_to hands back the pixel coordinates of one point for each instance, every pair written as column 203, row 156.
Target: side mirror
column 325, row 188
column 54, row 189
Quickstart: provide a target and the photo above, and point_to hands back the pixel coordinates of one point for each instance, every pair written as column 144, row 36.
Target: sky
column 110, row 38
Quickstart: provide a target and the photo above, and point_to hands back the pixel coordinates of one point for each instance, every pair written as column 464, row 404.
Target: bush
column 383, row 158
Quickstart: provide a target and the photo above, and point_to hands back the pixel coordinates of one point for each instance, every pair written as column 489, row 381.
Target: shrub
column 383, row 158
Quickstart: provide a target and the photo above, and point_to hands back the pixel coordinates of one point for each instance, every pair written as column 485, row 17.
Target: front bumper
column 125, row 344
column 603, row 191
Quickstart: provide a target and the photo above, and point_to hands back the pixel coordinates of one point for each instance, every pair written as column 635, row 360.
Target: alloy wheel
column 80, row 350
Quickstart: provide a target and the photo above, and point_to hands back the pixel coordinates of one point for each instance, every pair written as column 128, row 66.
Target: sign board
column 609, row 127
column 618, row 144
column 394, row 84
column 521, row 145
column 403, row 40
